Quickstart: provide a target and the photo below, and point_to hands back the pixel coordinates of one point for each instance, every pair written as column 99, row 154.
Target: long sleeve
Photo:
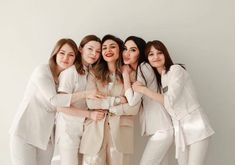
column 125, row 109
column 177, row 77
column 144, row 74
column 43, row 80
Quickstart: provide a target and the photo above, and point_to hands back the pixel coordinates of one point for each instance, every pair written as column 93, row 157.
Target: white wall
column 198, row 33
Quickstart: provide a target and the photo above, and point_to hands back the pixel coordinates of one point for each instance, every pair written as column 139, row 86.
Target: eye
column 133, row 50
column 90, row 49
column 150, row 54
column 104, row 48
column 61, row 53
column 160, row 52
column 71, row 55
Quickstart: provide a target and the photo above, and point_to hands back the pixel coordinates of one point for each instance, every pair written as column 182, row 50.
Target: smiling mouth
column 109, row 54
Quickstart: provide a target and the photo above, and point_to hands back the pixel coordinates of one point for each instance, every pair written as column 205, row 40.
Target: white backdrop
column 198, row 33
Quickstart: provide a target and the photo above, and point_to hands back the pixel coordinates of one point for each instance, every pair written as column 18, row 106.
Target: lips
column 109, row 54
column 65, row 63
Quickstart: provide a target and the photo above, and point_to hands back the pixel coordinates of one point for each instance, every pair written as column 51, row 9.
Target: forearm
column 75, row 112
column 77, row 96
column 126, row 80
column 153, row 95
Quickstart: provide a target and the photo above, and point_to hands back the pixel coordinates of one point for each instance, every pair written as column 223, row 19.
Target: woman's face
column 65, row 57
column 156, row 58
column 110, row 51
column 90, row 52
column 130, row 53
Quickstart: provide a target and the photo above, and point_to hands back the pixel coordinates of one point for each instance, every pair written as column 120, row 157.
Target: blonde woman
column 69, row 125
column 33, row 127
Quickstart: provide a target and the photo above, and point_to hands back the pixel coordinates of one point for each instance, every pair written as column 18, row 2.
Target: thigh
column 97, row 159
column 44, row 157
column 157, row 147
column 197, row 152
column 115, row 157
column 22, row 153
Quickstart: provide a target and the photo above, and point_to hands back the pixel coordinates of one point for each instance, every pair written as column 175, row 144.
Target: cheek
column 72, row 59
column 134, row 57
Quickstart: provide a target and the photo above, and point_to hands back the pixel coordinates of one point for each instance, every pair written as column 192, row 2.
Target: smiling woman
column 32, row 131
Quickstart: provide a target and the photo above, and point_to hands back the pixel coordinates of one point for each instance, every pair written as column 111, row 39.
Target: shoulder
column 69, row 71
column 145, row 67
column 176, row 68
column 42, row 70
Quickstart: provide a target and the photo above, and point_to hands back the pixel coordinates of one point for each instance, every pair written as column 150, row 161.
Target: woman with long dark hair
column 155, row 121
column 177, row 94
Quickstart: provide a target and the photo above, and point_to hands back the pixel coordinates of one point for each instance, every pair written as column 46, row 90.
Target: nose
column 66, row 57
column 126, row 53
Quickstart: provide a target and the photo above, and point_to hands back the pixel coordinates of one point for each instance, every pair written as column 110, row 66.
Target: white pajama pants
column 69, row 130
column 156, row 150
column 23, row 153
column 194, row 154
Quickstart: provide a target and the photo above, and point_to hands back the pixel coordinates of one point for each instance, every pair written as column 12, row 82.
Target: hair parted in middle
column 101, row 70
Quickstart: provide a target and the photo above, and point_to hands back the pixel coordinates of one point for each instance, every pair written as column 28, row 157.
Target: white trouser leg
column 68, row 152
column 155, row 152
column 26, row 154
column 194, row 154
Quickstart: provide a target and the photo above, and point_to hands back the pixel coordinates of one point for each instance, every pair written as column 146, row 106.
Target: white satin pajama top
column 153, row 116
column 70, row 82
column 190, row 122
column 34, row 121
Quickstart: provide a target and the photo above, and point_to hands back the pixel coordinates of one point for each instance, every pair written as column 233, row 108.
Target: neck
column 85, row 63
column 112, row 67
column 160, row 70
column 134, row 66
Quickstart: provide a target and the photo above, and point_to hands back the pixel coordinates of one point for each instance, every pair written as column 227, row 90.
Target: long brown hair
column 168, row 61
column 84, row 41
column 101, row 69
column 52, row 59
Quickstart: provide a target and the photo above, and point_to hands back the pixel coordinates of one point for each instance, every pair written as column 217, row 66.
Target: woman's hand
column 97, row 115
column 138, row 87
column 126, row 69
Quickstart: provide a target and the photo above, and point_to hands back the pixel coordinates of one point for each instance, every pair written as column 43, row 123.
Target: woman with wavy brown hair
column 33, row 127
column 69, row 126
column 110, row 140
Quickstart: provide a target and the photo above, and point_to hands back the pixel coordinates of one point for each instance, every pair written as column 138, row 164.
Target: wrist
column 117, row 100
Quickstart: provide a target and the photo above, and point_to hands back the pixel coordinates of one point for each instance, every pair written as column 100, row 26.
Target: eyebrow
column 133, row 47
column 109, row 44
column 68, row 52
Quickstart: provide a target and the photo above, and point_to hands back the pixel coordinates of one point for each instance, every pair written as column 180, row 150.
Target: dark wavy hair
column 101, row 70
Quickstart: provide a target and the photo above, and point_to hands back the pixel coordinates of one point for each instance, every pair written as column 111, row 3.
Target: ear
column 80, row 49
